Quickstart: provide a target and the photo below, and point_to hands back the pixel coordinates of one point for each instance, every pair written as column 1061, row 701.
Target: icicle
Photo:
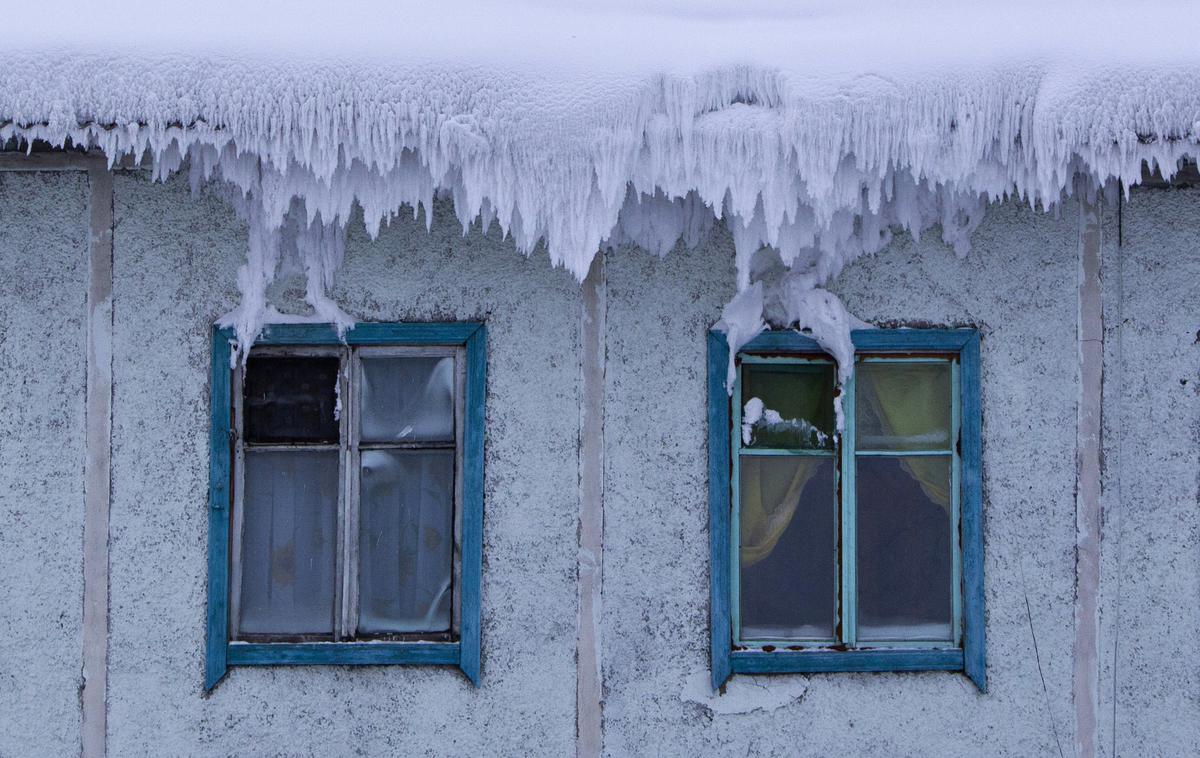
column 823, row 170
column 742, row 321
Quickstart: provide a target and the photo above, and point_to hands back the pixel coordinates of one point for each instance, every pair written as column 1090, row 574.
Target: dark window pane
column 904, row 548
column 788, row 542
column 903, row 406
column 408, row 399
column 291, row 399
column 788, row 405
column 406, row 541
column 288, row 543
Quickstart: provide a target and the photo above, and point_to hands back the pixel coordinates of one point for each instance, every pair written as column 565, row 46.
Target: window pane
column 406, row 541
column 292, row 399
column 408, row 399
column 788, row 542
column 788, row 405
column 904, row 548
column 903, row 406
column 288, row 543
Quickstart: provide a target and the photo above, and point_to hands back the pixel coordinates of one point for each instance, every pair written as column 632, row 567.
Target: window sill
column 824, row 661
column 343, row 653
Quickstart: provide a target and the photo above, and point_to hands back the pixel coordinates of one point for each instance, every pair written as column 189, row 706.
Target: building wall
column 1150, row 617
column 1018, row 287
column 43, row 278
column 175, row 263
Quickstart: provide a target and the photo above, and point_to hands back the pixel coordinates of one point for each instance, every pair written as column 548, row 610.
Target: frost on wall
column 814, row 132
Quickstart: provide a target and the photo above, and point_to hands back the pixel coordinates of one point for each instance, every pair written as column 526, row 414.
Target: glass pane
column 788, row 405
column 788, row 542
column 903, row 406
column 406, row 541
column 292, row 399
column 289, row 539
column 408, row 399
column 905, row 548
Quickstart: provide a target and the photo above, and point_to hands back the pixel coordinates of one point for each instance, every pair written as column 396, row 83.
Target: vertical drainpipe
column 1087, row 482
column 589, row 684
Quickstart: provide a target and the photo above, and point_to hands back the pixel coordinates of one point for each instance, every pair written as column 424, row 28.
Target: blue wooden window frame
column 220, row 652
column 970, row 655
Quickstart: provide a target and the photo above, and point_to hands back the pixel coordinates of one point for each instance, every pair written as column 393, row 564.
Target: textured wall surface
column 1150, row 654
column 1018, row 287
column 43, row 271
column 176, row 258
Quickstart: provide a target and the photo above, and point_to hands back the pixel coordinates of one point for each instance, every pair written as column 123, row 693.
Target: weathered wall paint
column 97, row 470
column 1150, row 547
column 43, row 268
column 1019, row 287
column 175, row 260
column 1090, row 338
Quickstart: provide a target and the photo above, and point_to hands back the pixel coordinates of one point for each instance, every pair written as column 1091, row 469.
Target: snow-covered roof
column 812, row 127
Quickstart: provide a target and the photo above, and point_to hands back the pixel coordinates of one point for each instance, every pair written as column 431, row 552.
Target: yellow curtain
column 769, row 500
column 767, row 511
column 905, row 400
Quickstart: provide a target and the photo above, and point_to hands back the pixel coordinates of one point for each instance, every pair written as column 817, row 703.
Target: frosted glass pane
column 288, row 542
column 904, row 548
column 903, row 406
column 407, row 399
column 406, row 541
column 787, row 406
column 788, row 543
column 291, row 399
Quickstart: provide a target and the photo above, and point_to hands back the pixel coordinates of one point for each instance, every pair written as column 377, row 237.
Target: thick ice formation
column 755, row 414
column 813, row 130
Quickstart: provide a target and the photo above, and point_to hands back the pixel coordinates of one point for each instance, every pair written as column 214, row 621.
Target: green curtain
column 905, row 400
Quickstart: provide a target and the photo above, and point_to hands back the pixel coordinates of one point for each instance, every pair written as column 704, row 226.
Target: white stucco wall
column 175, row 261
column 1150, row 684
column 1018, row 287
column 43, row 271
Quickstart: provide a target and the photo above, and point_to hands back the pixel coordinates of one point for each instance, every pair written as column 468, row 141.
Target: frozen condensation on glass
column 406, row 541
column 407, row 399
column 770, row 424
column 289, row 542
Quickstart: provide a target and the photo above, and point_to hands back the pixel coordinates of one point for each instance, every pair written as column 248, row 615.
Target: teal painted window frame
column 969, row 655
column 220, row 652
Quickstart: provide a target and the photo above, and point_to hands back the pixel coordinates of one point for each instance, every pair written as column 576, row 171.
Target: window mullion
column 239, row 487
column 349, row 495
column 460, row 400
column 735, row 558
column 339, row 593
column 849, row 522
column 956, row 587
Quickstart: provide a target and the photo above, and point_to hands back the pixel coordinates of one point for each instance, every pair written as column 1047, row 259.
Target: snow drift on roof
column 814, row 128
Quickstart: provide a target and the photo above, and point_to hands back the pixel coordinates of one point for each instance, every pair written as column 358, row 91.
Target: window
column 853, row 552
column 346, row 497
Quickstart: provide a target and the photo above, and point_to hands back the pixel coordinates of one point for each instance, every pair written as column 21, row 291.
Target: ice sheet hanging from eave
column 815, row 128
column 544, row 114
